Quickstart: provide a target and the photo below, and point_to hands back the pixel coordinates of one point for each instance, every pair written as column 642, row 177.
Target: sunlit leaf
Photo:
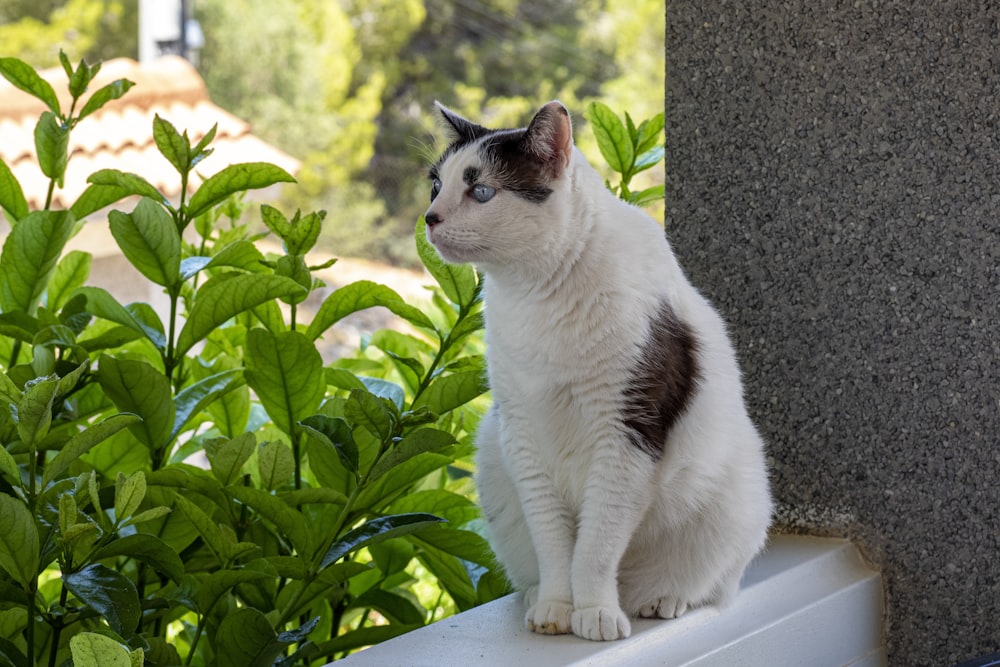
column 149, row 240
column 24, row 77
column 12, row 198
column 286, row 372
column 235, row 178
column 29, row 256
column 612, row 137
column 359, row 296
column 224, row 297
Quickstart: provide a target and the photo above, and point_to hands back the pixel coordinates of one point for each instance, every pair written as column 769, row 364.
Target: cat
column 618, row 470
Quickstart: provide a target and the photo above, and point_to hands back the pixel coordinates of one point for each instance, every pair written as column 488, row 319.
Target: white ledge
column 805, row 601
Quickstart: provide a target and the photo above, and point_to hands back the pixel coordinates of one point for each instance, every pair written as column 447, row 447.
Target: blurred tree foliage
column 348, row 86
column 35, row 30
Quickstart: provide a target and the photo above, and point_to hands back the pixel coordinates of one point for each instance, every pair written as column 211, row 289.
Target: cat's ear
column 464, row 130
column 550, row 137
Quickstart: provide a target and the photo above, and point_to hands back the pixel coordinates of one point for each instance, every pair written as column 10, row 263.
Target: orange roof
column 120, row 135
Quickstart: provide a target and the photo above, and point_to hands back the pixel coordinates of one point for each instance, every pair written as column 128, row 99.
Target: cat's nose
column 432, row 218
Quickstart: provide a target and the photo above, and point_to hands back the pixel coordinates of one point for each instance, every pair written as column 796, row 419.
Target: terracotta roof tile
column 120, row 135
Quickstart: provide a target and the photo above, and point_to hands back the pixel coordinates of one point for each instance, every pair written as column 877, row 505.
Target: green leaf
column 300, row 234
column 447, row 392
column 245, row 638
column 18, row 541
column 336, row 434
column 235, row 178
column 79, row 80
column 137, row 387
column 150, row 241
column 650, row 133
column 173, row 146
column 193, row 399
column 25, row 78
column 240, row 254
column 101, row 304
column 464, row 544
column 612, row 137
column 90, row 649
column 401, row 478
column 83, row 442
column 396, row 608
column 129, row 183
column 12, row 196
column 29, row 256
column 375, row 531
column 370, row 411
column 8, row 467
column 103, row 95
column 276, row 464
column 451, row 575
column 220, row 582
column 286, row 372
column 358, row 296
column 414, row 444
column 648, row 196
column 147, row 548
column 8, row 390
column 52, row 146
column 70, row 274
column 205, row 526
column 457, row 281
column 286, row 519
column 34, row 412
column 109, row 593
column 224, row 297
column 129, row 494
column 649, row 159
column 227, row 458
column 364, row 637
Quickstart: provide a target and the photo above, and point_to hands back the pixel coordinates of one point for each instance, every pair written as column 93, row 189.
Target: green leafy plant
column 331, row 508
column 629, row 150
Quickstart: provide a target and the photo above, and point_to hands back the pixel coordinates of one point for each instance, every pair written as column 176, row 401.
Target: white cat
column 618, row 469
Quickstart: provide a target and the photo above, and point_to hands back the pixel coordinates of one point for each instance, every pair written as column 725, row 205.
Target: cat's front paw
column 601, row 623
column 550, row 617
column 665, row 607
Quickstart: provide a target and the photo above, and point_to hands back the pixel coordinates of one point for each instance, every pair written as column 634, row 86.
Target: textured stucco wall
column 833, row 184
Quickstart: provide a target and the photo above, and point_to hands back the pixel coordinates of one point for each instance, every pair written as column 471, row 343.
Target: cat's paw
column 601, row 623
column 665, row 607
column 550, row 617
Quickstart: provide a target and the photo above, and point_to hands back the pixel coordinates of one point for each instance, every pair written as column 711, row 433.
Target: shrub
column 328, row 487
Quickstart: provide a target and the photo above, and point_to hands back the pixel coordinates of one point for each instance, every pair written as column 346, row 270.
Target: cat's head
column 495, row 194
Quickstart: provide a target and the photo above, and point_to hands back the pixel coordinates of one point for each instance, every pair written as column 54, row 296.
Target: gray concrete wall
column 833, row 184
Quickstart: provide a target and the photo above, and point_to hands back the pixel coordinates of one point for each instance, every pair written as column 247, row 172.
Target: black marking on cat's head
column 522, row 161
column 465, row 131
column 662, row 384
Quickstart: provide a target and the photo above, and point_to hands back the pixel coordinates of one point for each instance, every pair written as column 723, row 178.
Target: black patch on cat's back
column 662, row 383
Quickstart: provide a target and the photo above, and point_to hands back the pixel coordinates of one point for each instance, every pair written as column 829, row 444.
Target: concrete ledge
column 806, row 601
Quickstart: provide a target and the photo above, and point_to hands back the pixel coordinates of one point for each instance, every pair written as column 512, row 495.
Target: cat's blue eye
column 482, row 193
column 435, row 189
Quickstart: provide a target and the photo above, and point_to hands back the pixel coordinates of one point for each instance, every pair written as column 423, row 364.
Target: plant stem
column 32, row 610
column 48, row 197
column 57, row 629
